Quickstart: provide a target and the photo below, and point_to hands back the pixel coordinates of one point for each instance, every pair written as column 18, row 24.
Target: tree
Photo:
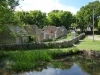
column 73, row 25
column 99, row 25
column 65, row 18
column 17, row 19
column 60, row 17
column 37, row 17
column 85, row 15
column 53, row 18
column 32, row 17
column 6, row 12
column 22, row 16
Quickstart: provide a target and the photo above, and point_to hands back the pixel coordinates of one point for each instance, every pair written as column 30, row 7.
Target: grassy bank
column 26, row 60
column 88, row 44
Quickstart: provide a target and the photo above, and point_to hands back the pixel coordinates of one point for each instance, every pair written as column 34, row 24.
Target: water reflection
column 71, row 65
column 74, row 70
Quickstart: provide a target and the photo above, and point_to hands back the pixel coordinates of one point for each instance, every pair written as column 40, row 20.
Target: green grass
column 69, row 36
column 25, row 60
column 29, row 59
column 88, row 44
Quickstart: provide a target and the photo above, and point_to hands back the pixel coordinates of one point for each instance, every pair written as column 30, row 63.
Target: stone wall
column 90, row 53
column 53, row 32
column 28, row 46
column 6, row 37
column 22, row 34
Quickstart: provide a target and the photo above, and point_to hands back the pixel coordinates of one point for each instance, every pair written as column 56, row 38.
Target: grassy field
column 88, row 44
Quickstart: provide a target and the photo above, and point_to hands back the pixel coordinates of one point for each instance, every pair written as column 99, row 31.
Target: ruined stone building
column 30, row 33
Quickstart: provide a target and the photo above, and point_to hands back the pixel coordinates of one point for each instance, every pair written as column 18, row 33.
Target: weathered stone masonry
column 28, row 46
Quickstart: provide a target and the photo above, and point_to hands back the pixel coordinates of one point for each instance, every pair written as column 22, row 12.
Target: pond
column 70, row 65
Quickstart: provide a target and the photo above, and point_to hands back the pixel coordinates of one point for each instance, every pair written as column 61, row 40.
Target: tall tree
column 60, row 17
column 53, row 18
column 99, row 25
column 65, row 18
column 18, row 18
column 37, row 17
column 22, row 16
column 6, row 12
column 85, row 15
column 32, row 17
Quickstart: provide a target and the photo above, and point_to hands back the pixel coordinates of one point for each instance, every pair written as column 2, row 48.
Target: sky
column 48, row 5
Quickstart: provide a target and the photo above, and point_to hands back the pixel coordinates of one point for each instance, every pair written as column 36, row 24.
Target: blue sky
column 49, row 5
column 75, row 3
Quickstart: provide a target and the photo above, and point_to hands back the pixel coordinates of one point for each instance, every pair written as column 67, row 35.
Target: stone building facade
column 30, row 33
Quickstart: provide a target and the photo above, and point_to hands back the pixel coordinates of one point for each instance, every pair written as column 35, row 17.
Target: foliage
column 3, row 54
column 74, row 25
column 99, row 25
column 32, row 17
column 26, row 60
column 37, row 17
column 85, row 15
column 59, row 17
column 22, row 15
column 66, row 18
column 6, row 12
column 69, row 36
column 55, row 17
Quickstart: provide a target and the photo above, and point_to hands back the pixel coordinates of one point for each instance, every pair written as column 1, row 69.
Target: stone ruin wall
column 50, row 32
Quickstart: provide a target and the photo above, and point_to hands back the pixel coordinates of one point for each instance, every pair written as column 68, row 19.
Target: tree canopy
column 60, row 17
column 85, row 15
column 6, row 12
column 55, row 17
column 32, row 17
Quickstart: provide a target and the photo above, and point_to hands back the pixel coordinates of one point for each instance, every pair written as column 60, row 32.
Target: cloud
column 48, row 71
column 45, row 6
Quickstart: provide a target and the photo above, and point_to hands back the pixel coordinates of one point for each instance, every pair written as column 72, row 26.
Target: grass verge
column 88, row 44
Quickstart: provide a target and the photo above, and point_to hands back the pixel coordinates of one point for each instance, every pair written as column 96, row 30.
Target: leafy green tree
column 81, row 21
column 73, row 25
column 85, row 15
column 6, row 12
column 32, row 17
column 16, row 20
column 53, row 18
column 99, row 25
column 22, row 16
column 37, row 17
column 60, row 17
column 65, row 18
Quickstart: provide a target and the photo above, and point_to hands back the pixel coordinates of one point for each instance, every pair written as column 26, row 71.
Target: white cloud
column 48, row 71
column 45, row 6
